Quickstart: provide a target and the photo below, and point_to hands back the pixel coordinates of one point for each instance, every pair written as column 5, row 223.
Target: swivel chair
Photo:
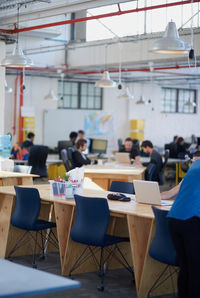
column 37, row 159
column 25, row 217
column 162, row 248
column 70, row 151
column 150, row 170
column 66, row 161
column 122, row 186
column 89, row 228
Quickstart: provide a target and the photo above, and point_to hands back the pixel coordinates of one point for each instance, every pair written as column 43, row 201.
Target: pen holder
column 61, row 189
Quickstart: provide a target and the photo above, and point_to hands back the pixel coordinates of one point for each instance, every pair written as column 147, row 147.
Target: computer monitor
column 98, row 146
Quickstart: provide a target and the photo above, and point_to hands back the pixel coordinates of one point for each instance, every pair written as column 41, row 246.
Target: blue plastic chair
column 162, row 248
column 122, row 186
column 90, row 227
column 25, row 217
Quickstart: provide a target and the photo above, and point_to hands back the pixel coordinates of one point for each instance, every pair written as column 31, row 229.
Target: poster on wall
column 98, row 124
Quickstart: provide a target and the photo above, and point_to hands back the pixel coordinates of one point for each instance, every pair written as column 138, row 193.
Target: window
column 78, row 95
column 174, row 101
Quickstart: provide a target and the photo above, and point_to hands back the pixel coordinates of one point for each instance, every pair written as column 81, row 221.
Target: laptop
column 123, row 158
column 148, row 192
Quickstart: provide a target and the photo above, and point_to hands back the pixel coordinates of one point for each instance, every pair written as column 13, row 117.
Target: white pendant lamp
column 7, row 89
column 51, row 96
column 105, row 81
column 141, row 101
column 170, row 43
column 17, row 59
column 126, row 94
column 189, row 104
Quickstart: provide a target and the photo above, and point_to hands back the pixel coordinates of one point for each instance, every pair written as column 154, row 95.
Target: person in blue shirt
column 184, row 227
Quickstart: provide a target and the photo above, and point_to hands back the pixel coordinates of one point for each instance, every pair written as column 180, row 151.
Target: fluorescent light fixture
column 141, row 101
column 51, row 96
column 105, row 81
column 189, row 104
column 7, row 89
column 126, row 94
column 17, row 59
column 170, row 43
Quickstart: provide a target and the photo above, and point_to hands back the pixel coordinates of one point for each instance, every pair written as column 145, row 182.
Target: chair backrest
column 166, row 157
column 64, row 157
column 150, row 171
column 120, row 144
column 63, row 145
column 27, row 207
column 37, row 159
column 162, row 248
column 122, row 186
column 91, row 222
column 70, row 151
column 22, row 169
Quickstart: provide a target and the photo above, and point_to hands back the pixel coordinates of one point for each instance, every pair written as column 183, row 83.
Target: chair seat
column 42, row 225
column 110, row 240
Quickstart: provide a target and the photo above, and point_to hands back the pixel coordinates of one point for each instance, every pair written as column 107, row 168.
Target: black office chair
column 89, row 228
column 37, row 159
column 162, row 248
column 25, row 217
column 66, row 161
column 122, row 186
column 63, row 145
column 166, row 157
column 70, row 151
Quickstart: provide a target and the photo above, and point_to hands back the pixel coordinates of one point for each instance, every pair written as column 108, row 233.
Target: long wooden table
column 13, row 178
column 138, row 218
column 105, row 174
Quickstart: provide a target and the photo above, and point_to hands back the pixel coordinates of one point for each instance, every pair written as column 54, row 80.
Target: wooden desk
column 13, row 178
column 18, row 280
column 138, row 217
column 104, row 175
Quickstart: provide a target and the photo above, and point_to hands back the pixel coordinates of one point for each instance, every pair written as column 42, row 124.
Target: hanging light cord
column 120, row 65
column 192, row 53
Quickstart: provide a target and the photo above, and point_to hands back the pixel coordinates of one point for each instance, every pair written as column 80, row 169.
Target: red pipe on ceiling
column 106, row 15
column 144, row 69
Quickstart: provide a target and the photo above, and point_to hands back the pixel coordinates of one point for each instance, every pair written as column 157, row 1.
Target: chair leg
column 19, row 243
column 101, row 270
column 42, row 256
column 34, row 252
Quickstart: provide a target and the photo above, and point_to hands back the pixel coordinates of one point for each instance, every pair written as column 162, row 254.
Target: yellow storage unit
column 137, row 129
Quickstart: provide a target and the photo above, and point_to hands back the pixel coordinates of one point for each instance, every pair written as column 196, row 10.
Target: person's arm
column 170, row 194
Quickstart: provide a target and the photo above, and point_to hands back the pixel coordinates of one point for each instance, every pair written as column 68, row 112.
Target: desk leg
column 6, row 203
column 139, row 230
column 64, row 215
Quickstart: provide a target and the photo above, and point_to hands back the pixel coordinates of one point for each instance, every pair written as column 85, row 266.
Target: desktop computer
column 98, row 146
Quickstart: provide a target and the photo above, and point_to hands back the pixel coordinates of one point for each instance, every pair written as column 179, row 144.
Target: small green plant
column 66, row 177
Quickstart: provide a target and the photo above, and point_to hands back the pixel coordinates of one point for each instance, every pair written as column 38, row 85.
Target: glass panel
column 74, row 102
column 83, row 89
column 90, row 89
column 83, row 102
column 74, row 88
column 66, row 99
column 67, row 88
column 90, row 102
column 97, row 103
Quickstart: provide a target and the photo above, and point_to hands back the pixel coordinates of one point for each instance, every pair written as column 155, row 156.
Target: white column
column 2, row 88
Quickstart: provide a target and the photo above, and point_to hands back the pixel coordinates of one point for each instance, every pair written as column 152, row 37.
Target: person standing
column 184, row 227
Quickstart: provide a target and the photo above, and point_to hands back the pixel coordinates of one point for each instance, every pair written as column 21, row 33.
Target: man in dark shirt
column 131, row 148
column 155, row 158
column 29, row 141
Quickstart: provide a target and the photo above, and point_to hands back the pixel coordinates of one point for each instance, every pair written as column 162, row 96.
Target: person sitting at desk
column 181, row 148
column 79, row 158
column 132, row 149
column 18, row 152
column 155, row 158
column 29, row 141
column 73, row 136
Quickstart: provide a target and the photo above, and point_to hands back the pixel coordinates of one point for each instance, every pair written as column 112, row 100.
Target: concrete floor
column 118, row 283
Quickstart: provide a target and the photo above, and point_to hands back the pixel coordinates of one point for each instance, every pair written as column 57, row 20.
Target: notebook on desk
column 123, row 158
column 148, row 192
